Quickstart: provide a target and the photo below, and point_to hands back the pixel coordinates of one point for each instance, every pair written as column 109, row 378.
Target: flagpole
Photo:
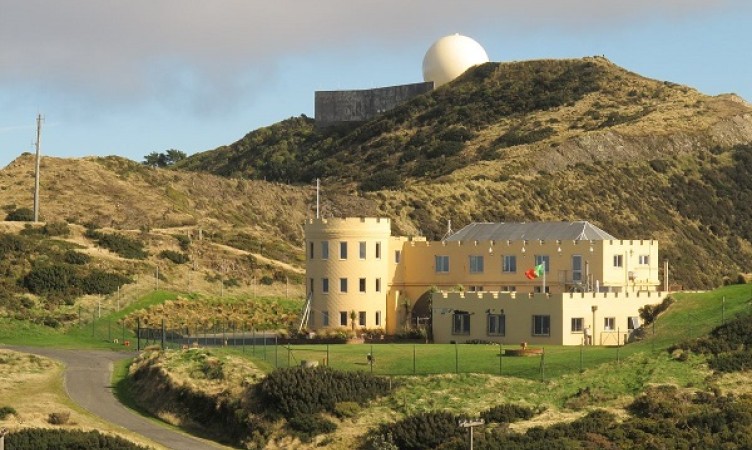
column 544, row 276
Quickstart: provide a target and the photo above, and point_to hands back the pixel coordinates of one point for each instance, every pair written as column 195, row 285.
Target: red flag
column 530, row 274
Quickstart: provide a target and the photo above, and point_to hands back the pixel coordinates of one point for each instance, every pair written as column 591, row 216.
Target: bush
column 298, row 391
column 56, row 229
column 309, row 425
column 176, row 257
column 6, row 411
column 20, row 215
column 59, row 418
column 507, row 413
column 267, row 280
column 52, row 279
column 76, row 258
column 649, row 313
column 346, row 410
column 421, row 431
column 183, row 241
column 44, row 439
column 122, row 245
column 103, row 283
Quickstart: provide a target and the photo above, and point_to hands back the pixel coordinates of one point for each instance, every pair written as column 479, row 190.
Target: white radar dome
column 450, row 57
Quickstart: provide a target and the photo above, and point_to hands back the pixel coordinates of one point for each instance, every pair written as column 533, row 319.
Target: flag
column 535, row 272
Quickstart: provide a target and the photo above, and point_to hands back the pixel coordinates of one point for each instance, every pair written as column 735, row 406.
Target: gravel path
column 88, row 375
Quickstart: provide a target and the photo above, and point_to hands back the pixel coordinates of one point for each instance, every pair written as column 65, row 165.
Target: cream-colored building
column 473, row 284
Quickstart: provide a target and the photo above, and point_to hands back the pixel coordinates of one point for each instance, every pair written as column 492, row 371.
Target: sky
column 131, row 77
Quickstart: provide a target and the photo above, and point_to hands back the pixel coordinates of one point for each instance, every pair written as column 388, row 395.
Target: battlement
column 511, row 296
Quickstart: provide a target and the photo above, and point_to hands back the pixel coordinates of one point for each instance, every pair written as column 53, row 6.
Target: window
column 633, row 323
column 509, row 264
column 311, row 287
column 476, row 264
column 609, row 323
column 310, row 256
column 362, row 285
column 362, row 250
column 537, row 289
column 325, row 318
column 618, row 261
column 378, row 284
column 576, row 268
column 461, row 323
column 509, row 288
column 397, row 256
column 325, row 285
column 474, row 288
column 378, row 250
column 343, row 318
column 497, row 324
column 442, row 264
column 343, row 284
column 378, row 318
column 577, row 324
column 362, row 318
column 324, row 249
column 644, row 259
column 541, row 325
column 343, row 250
column 543, row 259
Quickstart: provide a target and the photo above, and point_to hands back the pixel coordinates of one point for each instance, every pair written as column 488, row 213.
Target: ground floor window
column 509, row 288
column 609, row 323
column 475, row 288
column 577, row 324
column 539, row 289
column 378, row 318
column 541, row 325
column 362, row 318
column 633, row 323
column 343, row 318
column 461, row 323
column 325, row 318
column 496, row 324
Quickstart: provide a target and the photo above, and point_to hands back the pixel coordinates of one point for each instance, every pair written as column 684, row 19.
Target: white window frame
column 378, row 319
column 618, row 260
column 633, row 323
column 578, row 325
column 643, row 260
column 509, row 264
column 361, row 318
column 609, row 324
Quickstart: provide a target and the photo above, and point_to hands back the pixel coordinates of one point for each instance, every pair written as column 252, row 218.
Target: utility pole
column 36, row 171
column 3, row 432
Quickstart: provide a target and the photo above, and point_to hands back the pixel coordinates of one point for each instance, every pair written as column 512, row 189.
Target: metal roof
column 516, row 231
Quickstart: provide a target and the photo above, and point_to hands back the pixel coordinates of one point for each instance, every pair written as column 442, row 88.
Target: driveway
column 88, row 375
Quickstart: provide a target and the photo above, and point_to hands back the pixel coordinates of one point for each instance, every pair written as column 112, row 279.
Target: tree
column 166, row 159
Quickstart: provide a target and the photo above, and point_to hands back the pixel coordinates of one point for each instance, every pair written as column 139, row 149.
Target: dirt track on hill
column 88, row 375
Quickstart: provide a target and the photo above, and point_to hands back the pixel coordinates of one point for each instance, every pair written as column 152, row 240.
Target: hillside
column 538, row 140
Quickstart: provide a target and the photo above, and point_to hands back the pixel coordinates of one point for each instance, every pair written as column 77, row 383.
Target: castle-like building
column 481, row 282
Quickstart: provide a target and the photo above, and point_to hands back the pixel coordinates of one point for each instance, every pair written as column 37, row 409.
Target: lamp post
column 594, row 308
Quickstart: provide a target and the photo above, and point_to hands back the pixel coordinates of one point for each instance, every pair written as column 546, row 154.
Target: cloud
column 192, row 52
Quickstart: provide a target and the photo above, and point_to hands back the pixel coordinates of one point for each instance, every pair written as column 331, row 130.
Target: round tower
column 347, row 272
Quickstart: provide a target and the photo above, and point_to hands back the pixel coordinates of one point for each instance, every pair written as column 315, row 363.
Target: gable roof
column 516, row 231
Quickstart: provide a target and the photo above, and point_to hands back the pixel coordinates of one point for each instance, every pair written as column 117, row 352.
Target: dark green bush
column 103, row 283
column 57, row 278
column 298, row 391
column 267, row 280
column 649, row 313
column 56, row 229
column 176, row 257
column 421, row 431
column 44, row 439
column 346, row 410
column 58, row 418
column 6, row 411
column 382, row 179
column 507, row 413
column 76, row 258
column 183, row 241
column 20, row 215
column 307, row 426
column 732, row 362
column 122, row 245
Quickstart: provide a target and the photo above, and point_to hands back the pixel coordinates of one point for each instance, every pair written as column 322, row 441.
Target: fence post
column 543, row 364
column 456, row 359
column 264, row 346
column 501, row 356
column 288, row 355
column 413, row 359
column 253, row 342
column 138, row 333
column 372, row 358
column 582, row 349
column 79, row 316
column 109, row 329
column 123, row 341
column 163, row 334
column 93, row 313
column 327, row 355
column 243, row 333
column 276, row 357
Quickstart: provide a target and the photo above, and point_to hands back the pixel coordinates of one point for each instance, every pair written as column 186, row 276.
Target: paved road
column 88, row 382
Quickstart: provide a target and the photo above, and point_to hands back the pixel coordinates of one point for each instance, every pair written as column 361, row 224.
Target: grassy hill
column 538, row 140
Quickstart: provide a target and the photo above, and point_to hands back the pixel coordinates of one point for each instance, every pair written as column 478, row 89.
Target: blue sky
column 128, row 78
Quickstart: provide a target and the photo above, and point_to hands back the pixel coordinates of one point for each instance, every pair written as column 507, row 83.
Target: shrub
column 298, row 391
column 56, row 278
column 183, row 241
column 176, row 257
column 267, row 280
column 76, row 258
column 309, row 425
column 120, row 244
column 649, row 313
column 421, row 431
column 507, row 413
column 59, row 418
column 346, row 410
column 732, row 362
column 100, row 282
column 20, row 215
column 56, row 229
column 6, row 411
column 44, row 439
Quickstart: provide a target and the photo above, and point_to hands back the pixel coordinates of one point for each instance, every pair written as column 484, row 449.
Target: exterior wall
column 351, row 231
column 337, row 107
column 518, row 311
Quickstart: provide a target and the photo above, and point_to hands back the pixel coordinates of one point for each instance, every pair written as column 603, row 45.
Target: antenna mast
column 36, row 171
column 318, row 189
